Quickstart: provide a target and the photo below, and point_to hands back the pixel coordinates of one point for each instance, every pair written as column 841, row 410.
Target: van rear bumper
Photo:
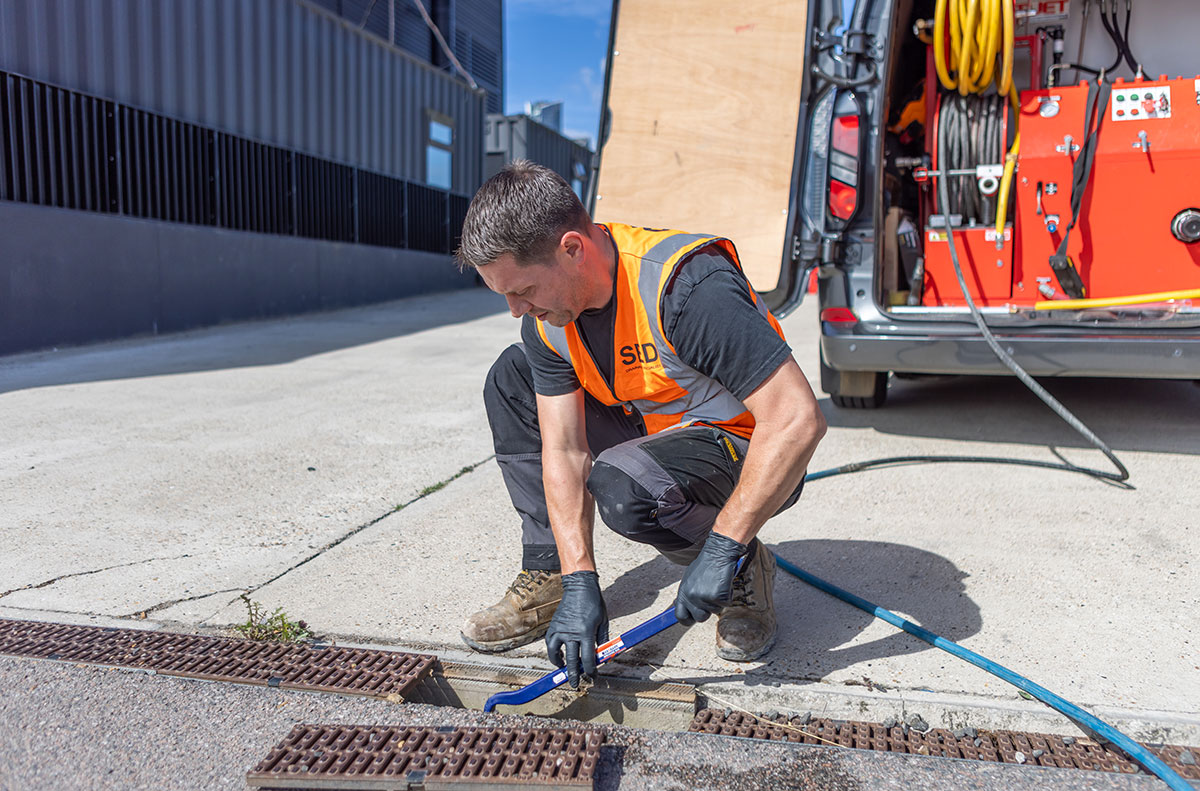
column 1119, row 355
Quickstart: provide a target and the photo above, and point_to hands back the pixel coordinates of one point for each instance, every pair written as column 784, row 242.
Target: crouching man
column 651, row 382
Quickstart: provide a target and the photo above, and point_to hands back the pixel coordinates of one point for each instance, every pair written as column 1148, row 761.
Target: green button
column 1120, row 97
column 1148, row 96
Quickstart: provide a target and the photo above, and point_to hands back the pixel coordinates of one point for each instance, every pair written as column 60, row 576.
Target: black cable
column 1133, row 62
column 1113, row 36
column 1122, row 473
column 1120, row 39
column 896, row 461
column 848, row 82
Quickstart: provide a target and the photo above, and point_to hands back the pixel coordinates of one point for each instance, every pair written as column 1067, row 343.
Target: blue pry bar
column 555, row 678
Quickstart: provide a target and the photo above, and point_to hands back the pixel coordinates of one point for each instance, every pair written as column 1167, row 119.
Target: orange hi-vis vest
column 647, row 373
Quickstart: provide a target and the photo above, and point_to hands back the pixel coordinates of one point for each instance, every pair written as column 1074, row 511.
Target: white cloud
column 593, row 88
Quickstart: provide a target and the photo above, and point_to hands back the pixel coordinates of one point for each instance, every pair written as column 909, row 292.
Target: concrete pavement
column 337, row 466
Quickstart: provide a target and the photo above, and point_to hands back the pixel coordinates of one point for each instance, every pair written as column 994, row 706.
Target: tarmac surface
column 339, row 466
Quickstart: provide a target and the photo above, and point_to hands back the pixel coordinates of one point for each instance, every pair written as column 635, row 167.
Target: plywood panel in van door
column 704, row 97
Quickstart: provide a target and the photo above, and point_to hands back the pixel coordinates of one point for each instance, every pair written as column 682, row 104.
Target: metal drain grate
column 349, row 671
column 1001, row 746
column 382, row 757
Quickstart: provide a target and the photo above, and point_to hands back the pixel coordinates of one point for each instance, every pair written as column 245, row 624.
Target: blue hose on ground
column 1102, row 729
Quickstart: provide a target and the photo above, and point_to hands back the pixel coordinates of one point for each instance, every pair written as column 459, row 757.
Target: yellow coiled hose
column 979, row 30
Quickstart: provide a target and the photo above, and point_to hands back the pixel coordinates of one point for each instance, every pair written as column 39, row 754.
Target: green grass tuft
column 275, row 628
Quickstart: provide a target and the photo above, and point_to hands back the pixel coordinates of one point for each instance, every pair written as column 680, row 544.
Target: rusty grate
column 398, row 757
column 349, row 671
column 1040, row 749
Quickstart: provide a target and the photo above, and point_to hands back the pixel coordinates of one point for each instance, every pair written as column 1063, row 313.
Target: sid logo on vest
column 639, row 353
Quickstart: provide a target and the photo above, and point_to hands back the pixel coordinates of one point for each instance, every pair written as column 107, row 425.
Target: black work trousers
column 665, row 489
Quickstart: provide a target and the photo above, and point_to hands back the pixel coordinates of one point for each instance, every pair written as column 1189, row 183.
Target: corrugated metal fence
column 67, row 149
column 283, row 72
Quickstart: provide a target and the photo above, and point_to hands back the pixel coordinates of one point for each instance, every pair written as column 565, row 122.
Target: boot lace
column 528, row 580
column 741, row 595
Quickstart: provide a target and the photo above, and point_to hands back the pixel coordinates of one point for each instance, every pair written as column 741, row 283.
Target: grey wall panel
column 357, row 274
column 212, row 276
column 73, row 277
column 281, row 71
column 66, row 280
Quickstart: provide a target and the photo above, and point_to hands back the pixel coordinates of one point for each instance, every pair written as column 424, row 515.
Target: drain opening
column 609, row 699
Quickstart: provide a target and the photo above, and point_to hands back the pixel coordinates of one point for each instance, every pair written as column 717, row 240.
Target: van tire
column 854, row 389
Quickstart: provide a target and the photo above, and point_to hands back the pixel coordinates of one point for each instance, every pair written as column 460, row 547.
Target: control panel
column 1139, row 102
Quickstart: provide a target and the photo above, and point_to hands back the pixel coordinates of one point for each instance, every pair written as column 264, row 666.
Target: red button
column 1133, row 112
column 1120, row 112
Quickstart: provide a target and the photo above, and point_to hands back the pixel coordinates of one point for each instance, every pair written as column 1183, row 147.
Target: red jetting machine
column 1068, row 186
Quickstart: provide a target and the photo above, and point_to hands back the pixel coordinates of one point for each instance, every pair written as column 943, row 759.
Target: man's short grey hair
column 522, row 211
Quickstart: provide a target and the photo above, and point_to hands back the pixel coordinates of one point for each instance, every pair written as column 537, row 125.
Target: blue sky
column 554, row 50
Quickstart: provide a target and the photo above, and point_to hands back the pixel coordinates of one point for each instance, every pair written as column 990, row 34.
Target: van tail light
column 839, row 315
column 842, row 199
column 844, row 162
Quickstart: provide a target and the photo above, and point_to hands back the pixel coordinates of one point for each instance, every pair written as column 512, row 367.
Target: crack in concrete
column 140, row 614
column 85, row 573
column 88, row 613
column 425, row 492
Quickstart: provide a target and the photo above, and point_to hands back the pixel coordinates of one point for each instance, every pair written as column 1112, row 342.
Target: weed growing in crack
column 435, row 487
column 276, row 627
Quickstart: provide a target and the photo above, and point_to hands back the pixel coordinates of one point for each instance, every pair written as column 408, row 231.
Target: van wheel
column 854, row 389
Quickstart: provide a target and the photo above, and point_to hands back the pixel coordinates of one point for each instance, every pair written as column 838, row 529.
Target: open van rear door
column 701, row 116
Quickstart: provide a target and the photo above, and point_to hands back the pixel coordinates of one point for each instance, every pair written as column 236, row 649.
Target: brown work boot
column 520, row 617
column 746, row 629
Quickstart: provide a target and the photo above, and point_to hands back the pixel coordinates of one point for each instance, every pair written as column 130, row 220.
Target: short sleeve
column 711, row 319
column 552, row 375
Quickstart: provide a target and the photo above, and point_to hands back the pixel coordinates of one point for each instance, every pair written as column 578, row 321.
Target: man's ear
column 571, row 245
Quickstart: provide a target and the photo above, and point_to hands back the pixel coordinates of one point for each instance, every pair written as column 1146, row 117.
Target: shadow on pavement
column 1158, row 415
column 246, row 344
column 814, row 628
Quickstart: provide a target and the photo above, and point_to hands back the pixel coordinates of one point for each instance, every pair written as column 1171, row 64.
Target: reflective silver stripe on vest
column 706, row 399
column 558, row 340
column 664, row 250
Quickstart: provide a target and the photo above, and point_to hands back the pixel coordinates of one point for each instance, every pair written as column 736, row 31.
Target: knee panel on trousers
column 628, row 508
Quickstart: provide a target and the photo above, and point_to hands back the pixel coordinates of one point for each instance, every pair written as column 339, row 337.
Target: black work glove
column 578, row 625
column 708, row 581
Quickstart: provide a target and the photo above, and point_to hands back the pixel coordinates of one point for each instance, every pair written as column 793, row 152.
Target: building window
column 439, row 152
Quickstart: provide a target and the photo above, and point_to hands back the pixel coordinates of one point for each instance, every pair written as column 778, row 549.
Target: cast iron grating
column 349, row 671
column 430, row 758
column 1040, row 749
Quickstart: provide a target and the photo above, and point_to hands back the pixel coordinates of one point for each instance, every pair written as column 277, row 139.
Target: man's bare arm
column 566, row 462
column 788, row 426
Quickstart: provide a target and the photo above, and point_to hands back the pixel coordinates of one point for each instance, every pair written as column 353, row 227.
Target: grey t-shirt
column 709, row 317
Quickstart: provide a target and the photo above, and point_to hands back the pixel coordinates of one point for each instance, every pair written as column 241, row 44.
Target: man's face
column 552, row 291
